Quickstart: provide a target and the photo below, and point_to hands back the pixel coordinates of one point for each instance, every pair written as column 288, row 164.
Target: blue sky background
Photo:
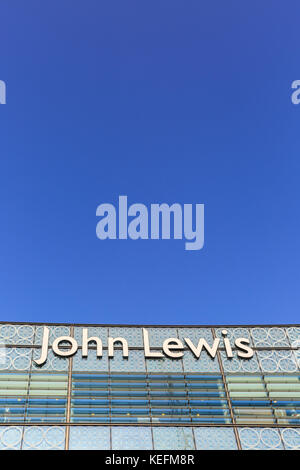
column 164, row 101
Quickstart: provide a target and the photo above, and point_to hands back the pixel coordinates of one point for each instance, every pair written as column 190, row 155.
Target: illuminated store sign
column 171, row 347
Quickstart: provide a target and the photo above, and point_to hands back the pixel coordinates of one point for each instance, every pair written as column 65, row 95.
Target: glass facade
column 159, row 403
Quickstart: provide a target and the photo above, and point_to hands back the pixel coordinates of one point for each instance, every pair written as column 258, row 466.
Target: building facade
column 217, row 397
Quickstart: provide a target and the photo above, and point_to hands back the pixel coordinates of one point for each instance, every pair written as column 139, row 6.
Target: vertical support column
column 149, row 400
column 109, row 396
column 68, row 415
column 28, row 387
column 237, row 437
column 187, row 397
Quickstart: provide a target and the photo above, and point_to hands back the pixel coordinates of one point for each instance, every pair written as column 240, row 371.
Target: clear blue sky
column 164, row 101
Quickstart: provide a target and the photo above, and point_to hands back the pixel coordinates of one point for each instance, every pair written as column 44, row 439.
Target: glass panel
column 158, row 335
column 243, row 387
column 44, row 438
column 284, row 387
column 99, row 332
column 133, row 336
column 89, row 438
column 55, row 363
column 91, row 363
column 55, row 332
column 164, row 364
column 238, row 365
column 133, row 438
column 15, row 358
column 269, row 337
column 282, row 411
column 233, row 334
column 247, row 379
column 294, row 336
column 194, row 334
column 167, row 398
column 215, row 438
column 260, row 438
column 173, row 438
column 249, row 394
column 204, row 363
column 291, row 438
column 135, row 362
column 282, row 379
column 16, row 403
column 17, row 334
column 10, row 437
column 283, row 394
column 277, row 361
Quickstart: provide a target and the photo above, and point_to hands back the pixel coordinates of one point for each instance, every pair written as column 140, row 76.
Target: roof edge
column 140, row 325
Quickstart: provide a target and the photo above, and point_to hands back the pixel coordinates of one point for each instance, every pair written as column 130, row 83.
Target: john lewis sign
column 171, row 347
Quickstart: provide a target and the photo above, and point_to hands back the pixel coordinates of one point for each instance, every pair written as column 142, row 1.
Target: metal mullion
column 149, row 397
column 69, row 392
column 28, row 388
column 149, row 400
column 237, row 437
column 187, row 396
column 190, row 408
column 150, row 407
column 261, row 374
column 29, row 383
column 109, row 396
column 267, row 391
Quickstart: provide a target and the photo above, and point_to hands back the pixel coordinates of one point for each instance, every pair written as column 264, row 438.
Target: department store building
column 149, row 387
